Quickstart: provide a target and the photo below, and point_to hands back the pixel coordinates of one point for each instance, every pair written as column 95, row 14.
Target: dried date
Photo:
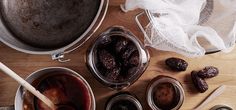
column 176, row 64
column 101, row 69
column 120, row 45
column 198, row 82
column 113, row 74
column 131, row 72
column 107, row 60
column 208, row 72
column 128, row 51
column 134, row 59
column 105, row 41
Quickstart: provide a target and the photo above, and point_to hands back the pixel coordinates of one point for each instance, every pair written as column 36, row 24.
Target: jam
column 165, row 96
column 165, row 93
column 64, row 90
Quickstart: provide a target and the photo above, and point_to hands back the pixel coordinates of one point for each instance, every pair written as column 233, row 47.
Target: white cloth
column 177, row 29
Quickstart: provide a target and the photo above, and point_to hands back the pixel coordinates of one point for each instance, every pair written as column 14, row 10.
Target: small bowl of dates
column 117, row 58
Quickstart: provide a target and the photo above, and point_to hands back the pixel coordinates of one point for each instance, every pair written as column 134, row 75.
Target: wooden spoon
column 213, row 95
column 28, row 86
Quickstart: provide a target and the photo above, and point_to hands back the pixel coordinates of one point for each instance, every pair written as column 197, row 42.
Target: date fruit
column 198, row 82
column 120, row 45
column 107, row 60
column 131, row 72
column 113, row 74
column 117, row 58
column 128, row 51
column 105, row 41
column 176, row 64
column 208, row 72
column 134, row 59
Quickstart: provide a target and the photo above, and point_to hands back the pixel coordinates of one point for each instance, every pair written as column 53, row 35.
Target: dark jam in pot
column 165, row 96
column 66, row 91
column 117, row 58
column 123, row 105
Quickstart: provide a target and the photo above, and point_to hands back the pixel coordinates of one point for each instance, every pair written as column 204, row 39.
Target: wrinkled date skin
column 198, row 82
column 120, row 45
column 113, row 74
column 105, row 42
column 107, row 60
column 134, row 59
column 208, row 72
column 176, row 64
column 128, row 51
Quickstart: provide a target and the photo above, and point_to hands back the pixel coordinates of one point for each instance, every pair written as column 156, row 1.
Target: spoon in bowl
column 29, row 87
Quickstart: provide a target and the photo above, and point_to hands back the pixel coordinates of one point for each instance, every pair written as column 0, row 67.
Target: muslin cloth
column 178, row 28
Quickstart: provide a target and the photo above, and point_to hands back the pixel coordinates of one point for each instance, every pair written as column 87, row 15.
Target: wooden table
column 24, row 64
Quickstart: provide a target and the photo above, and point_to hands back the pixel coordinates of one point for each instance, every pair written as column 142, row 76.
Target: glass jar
column 221, row 107
column 123, row 101
column 112, row 34
column 165, row 93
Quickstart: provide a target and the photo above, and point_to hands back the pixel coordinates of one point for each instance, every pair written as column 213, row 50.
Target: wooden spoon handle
column 213, row 95
column 26, row 85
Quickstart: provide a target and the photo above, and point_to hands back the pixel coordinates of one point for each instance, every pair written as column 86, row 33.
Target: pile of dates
column 117, row 58
column 198, row 77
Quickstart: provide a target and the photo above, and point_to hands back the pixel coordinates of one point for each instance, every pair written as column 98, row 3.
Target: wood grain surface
column 24, row 64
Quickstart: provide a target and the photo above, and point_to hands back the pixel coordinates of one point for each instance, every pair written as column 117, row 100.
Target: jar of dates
column 117, row 58
column 165, row 93
column 123, row 101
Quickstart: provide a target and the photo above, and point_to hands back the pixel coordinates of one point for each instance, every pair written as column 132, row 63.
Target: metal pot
column 9, row 33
